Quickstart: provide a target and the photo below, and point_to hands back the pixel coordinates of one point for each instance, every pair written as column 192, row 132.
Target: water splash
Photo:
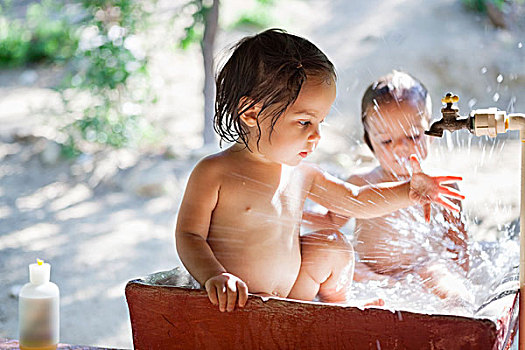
column 491, row 258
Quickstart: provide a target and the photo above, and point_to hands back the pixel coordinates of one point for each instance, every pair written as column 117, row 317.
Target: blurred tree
column 203, row 29
column 502, row 13
column 208, row 16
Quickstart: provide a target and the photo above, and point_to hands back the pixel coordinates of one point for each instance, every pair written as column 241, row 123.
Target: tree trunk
column 207, row 46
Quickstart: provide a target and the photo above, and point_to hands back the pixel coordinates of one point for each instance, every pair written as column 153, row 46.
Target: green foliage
column 480, row 5
column 100, row 125
column 476, row 5
column 37, row 38
column 194, row 32
column 112, row 68
column 257, row 18
column 106, row 64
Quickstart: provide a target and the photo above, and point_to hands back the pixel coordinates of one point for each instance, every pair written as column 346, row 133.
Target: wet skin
column 396, row 130
column 238, row 225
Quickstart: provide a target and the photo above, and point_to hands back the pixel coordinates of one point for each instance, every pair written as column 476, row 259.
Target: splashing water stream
column 493, row 246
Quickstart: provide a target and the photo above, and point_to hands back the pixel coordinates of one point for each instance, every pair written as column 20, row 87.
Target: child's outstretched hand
column 425, row 189
column 225, row 290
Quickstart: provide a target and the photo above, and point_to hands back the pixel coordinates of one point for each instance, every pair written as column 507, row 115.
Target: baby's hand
column 225, row 289
column 425, row 189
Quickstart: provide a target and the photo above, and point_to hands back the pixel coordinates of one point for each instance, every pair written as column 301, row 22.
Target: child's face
column 296, row 133
column 396, row 131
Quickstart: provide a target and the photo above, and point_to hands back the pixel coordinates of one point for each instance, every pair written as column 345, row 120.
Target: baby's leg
column 444, row 283
column 327, row 267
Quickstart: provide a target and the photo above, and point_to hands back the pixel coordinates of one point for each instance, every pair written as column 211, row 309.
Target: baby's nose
column 400, row 144
column 315, row 136
column 402, row 148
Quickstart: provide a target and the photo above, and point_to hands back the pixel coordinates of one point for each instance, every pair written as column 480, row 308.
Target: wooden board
column 168, row 317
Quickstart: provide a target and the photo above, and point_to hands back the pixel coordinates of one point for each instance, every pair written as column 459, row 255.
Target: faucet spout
column 436, row 129
column 451, row 120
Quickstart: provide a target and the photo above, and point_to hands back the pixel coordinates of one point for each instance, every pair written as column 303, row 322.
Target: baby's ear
column 249, row 116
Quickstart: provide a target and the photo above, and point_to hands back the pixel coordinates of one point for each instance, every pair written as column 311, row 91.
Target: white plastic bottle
column 38, row 310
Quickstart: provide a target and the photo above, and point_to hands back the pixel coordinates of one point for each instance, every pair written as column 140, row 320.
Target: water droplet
column 520, row 45
column 495, row 98
column 499, row 79
column 483, row 70
column 472, row 102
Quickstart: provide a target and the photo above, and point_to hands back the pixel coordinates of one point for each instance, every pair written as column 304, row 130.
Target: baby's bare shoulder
column 211, row 167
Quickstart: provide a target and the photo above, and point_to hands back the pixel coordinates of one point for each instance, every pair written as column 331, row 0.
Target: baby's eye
column 414, row 137
column 386, row 142
column 304, row 122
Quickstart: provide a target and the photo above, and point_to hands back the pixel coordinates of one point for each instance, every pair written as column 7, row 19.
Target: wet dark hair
column 393, row 87
column 268, row 68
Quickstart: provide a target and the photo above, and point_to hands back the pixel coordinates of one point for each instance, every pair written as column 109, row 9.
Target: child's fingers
column 444, row 202
column 243, row 293
column 441, row 179
column 212, row 293
column 427, row 211
column 414, row 163
column 221, row 294
column 231, row 291
column 447, row 191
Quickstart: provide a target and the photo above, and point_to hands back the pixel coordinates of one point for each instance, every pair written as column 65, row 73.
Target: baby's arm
column 380, row 199
column 191, row 233
column 318, row 221
column 330, row 220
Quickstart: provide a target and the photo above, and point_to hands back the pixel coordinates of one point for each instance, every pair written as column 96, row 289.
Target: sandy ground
column 103, row 220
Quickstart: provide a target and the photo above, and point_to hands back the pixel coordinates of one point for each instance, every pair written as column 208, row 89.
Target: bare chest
column 261, row 201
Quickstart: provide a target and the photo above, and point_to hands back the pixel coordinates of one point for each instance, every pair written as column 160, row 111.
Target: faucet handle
column 450, row 98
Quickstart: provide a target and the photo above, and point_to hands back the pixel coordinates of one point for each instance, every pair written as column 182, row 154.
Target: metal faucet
column 451, row 120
